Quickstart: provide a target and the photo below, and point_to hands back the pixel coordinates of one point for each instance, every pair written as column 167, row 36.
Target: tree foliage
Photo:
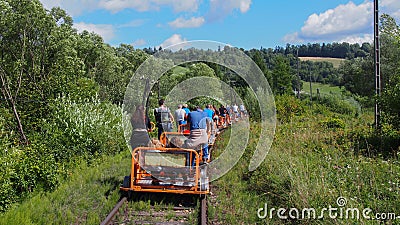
column 390, row 39
column 281, row 76
column 42, row 60
column 358, row 76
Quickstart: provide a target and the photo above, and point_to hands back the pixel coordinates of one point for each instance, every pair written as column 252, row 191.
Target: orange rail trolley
column 183, row 128
column 167, row 140
column 166, row 170
column 166, row 137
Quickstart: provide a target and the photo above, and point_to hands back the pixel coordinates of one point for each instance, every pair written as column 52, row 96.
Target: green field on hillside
column 179, row 70
column 324, row 89
column 335, row 61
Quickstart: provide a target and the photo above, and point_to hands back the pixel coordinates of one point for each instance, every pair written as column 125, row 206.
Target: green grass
column 86, row 197
column 309, row 165
column 324, row 89
column 180, row 70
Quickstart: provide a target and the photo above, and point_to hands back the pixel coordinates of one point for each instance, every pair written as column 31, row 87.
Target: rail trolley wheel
column 203, row 179
column 127, row 182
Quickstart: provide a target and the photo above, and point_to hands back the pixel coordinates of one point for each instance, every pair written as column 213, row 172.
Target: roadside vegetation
column 85, row 196
column 315, row 159
column 62, row 149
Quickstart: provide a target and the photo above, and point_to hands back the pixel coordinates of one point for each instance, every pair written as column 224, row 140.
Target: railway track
column 178, row 211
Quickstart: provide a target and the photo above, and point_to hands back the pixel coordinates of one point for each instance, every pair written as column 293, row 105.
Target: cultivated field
column 335, row 61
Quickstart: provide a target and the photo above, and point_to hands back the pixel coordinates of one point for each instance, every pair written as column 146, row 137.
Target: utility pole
column 378, row 79
column 233, row 96
column 298, row 75
column 158, row 90
column 309, row 68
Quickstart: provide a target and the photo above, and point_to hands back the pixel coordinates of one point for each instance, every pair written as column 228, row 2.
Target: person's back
column 222, row 111
column 185, row 107
column 180, row 115
column 242, row 110
column 163, row 114
column 197, row 120
column 198, row 132
column 241, row 107
column 209, row 112
column 164, row 118
column 235, row 108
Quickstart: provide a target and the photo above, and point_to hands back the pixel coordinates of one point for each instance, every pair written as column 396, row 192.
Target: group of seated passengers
column 199, row 122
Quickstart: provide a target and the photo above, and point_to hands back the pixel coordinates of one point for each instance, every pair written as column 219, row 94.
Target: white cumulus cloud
column 358, row 38
column 391, row 7
column 72, row 7
column 77, row 7
column 183, row 23
column 344, row 19
column 173, row 40
column 106, row 31
column 139, row 42
column 150, row 5
column 221, row 8
column 349, row 22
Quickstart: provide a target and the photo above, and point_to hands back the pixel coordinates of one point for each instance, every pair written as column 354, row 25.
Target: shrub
column 7, row 190
column 333, row 123
column 76, row 130
column 339, row 105
column 25, row 169
column 287, row 107
column 86, row 128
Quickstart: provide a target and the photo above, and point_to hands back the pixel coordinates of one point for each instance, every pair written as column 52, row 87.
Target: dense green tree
column 281, row 77
column 260, row 61
column 390, row 58
column 25, row 29
column 358, row 76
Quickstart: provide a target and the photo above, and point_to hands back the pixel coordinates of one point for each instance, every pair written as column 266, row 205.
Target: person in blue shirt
column 209, row 111
column 187, row 110
column 197, row 122
column 210, row 114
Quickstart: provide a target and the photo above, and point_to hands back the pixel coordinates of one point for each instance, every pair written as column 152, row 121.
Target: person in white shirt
column 235, row 112
column 180, row 116
column 242, row 110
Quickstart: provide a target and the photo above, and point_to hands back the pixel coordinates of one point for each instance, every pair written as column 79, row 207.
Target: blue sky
column 240, row 23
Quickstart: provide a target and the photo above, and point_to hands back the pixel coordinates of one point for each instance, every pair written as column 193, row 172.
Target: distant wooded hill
column 332, row 50
column 329, row 50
